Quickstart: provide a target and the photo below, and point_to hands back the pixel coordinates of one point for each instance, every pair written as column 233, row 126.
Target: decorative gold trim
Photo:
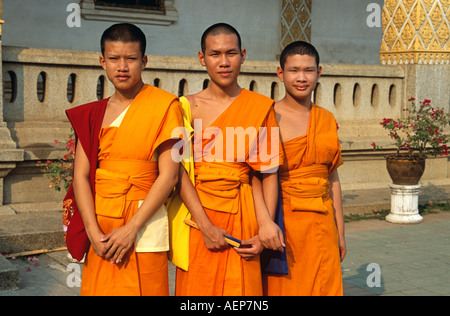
column 415, row 31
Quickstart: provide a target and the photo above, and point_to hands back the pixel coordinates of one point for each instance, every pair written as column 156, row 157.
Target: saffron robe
column 225, row 192
column 126, row 171
column 312, row 242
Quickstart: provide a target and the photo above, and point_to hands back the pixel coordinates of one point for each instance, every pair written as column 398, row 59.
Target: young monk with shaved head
column 311, row 193
column 224, row 171
column 123, row 173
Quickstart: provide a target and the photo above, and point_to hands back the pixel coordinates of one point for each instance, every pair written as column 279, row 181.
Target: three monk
column 124, row 172
column 222, row 203
column 311, row 193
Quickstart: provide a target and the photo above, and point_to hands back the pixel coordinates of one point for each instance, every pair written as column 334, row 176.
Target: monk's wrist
column 205, row 225
column 265, row 219
column 133, row 225
column 94, row 233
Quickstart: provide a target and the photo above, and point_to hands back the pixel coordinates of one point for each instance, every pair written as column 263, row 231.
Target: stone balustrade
column 40, row 84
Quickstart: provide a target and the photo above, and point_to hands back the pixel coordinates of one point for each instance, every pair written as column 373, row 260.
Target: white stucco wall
column 339, row 28
column 42, row 24
column 341, row 34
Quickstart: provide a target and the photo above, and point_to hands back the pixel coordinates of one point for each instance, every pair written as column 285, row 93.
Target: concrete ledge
column 6, row 210
column 9, row 276
column 33, row 230
column 29, row 242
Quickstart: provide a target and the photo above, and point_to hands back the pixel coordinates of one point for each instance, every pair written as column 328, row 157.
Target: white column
column 404, row 204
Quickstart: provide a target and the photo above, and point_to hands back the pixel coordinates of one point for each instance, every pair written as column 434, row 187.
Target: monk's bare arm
column 270, row 235
column 270, row 192
column 214, row 237
column 265, row 195
column 121, row 240
column 336, row 196
column 85, row 199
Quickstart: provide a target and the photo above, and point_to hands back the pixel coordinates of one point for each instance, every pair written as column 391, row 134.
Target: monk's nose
column 224, row 61
column 123, row 65
column 301, row 76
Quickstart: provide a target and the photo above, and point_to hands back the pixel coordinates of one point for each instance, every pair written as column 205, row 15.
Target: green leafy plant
column 60, row 171
column 421, row 133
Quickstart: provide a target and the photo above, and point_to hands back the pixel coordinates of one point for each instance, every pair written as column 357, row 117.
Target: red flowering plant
column 421, row 133
column 60, row 171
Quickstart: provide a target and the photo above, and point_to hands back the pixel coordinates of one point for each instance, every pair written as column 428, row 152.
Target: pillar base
column 404, row 204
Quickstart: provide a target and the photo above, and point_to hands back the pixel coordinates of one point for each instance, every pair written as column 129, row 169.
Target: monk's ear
column 201, row 58
column 102, row 62
column 280, row 74
column 144, row 61
column 243, row 55
column 319, row 72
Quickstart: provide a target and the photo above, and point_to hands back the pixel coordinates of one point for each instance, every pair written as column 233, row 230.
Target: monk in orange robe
column 224, row 167
column 125, row 219
column 311, row 194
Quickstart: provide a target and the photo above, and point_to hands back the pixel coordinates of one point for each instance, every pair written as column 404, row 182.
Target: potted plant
column 419, row 135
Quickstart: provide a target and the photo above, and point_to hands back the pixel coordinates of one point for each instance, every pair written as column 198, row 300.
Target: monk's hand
column 214, row 238
column 271, row 236
column 118, row 243
column 98, row 245
column 342, row 248
column 250, row 248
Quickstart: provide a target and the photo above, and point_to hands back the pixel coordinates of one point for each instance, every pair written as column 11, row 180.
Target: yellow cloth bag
column 177, row 211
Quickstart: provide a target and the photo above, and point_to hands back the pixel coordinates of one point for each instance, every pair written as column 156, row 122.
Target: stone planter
column 405, row 173
column 405, row 170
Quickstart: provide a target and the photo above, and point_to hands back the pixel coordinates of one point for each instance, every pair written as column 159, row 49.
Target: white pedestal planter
column 404, row 204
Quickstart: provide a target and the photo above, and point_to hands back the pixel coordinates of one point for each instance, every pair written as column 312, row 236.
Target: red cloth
column 86, row 121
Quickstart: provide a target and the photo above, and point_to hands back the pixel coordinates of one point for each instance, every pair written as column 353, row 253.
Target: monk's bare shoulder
column 293, row 120
column 199, row 104
column 278, row 107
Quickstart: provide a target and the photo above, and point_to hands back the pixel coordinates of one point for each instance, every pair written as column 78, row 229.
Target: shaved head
column 126, row 33
column 299, row 48
column 218, row 29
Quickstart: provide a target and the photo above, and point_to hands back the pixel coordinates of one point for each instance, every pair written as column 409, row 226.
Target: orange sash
column 114, row 188
column 307, row 188
column 218, row 185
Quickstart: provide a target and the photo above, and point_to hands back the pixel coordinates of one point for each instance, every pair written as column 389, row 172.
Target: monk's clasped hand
column 118, row 243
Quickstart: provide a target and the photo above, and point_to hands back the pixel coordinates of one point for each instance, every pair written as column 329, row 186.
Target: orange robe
column 226, row 195
column 310, row 228
column 126, row 171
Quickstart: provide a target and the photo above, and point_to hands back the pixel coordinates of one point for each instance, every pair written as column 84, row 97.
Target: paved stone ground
column 414, row 261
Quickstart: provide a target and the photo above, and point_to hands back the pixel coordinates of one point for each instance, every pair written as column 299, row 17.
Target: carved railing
column 40, row 84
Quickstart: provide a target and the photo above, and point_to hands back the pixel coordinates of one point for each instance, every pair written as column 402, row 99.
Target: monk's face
column 300, row 76
column 222, row 59
column 123, row 63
